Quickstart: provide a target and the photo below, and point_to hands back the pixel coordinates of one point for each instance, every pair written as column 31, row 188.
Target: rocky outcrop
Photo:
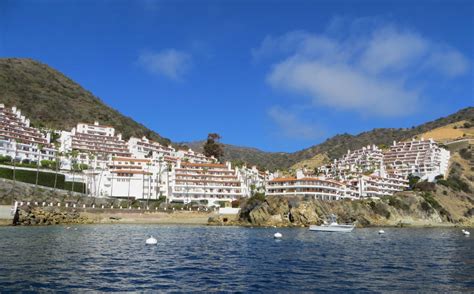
column 27, row 216
column 436, row 206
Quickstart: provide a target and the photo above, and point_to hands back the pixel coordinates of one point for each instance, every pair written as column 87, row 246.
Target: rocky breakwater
column 29, row 216
column 434, row 205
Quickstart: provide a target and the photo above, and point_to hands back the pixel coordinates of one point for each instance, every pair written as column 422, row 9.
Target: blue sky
column 276, row 75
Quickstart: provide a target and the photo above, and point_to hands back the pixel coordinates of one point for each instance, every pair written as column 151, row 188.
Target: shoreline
column 200, row 219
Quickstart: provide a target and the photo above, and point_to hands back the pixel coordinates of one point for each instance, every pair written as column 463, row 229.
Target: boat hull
column 333, row 228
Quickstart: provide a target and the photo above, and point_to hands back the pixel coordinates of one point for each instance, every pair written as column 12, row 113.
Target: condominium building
column 145, row 148
column 131, row 178
column 423, row 158
column 317, row 188
column 191, row 156
column 209, row 183
column 96, row 144
column 365, row 160
column 21, row 141
column 376, row 186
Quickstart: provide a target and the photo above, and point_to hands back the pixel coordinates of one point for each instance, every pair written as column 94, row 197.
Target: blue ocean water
column 214, row 259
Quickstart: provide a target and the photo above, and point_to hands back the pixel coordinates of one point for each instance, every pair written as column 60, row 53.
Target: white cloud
column 341, row 86
column 370, row 73
column 389, row 49
column 449, row 62
column 170, row 63
column 291, row 126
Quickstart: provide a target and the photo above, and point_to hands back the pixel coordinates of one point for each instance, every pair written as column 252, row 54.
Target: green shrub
column 44, row 179
column 412, row 181
column 429, row 199
column 465, row 153
column 380, row 209
column 4, row 159
column 398, row 204
column 78, row 187
column 456, row 183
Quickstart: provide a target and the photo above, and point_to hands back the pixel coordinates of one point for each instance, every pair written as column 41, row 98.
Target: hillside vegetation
column 338, row 145
column 50, row 99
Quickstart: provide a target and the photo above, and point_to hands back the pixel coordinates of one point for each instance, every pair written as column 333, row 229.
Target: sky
column 275, row 75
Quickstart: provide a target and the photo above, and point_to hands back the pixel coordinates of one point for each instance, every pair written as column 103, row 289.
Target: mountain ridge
column 51, row 99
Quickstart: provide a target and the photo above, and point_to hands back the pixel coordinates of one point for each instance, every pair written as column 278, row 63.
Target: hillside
column 50, row 99
column 336, row 146
column 252, row 156
column 461, row 129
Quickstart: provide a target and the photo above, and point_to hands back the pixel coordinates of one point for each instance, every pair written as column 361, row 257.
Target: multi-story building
column 191, row 156
column 96, row 145
column 209, row 183
column 253, row 179
column 21, row 141
column 145, row 148
column 376, row 186
column 423, row 158
column 317, row 188
column 127, row 177
column 365, row 160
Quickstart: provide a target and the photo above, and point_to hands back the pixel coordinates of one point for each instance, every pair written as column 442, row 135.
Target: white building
column 365, row 160
column 423, row 158
column 317, row 188
column 21, row 141
column 375, row 186
column 96, row 145
column 143, row 148
column 209, row 183
column 129, row 178
column 191, row 156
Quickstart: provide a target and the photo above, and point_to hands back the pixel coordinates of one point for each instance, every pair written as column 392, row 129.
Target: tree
column 14, row 167
column 57, row 165
column 40, row 148
column 212, row 147
column 73, row 156
column 412, row 181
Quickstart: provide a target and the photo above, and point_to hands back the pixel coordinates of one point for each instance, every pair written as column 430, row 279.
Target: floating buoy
column 277, row 235
column 466, row 233
column 151, row 241
column 381, row 232
column 67, row 228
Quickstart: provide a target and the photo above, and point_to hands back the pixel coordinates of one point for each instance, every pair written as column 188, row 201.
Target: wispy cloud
column 170, row 63
column 371, row 71
column 291, row 126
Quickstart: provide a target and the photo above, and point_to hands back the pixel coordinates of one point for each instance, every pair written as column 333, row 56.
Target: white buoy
column 381, row 232
column 277, row 235
column 151, row 241
column 466, row 233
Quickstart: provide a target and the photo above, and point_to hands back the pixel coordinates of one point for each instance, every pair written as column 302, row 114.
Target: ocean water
column 220, row 259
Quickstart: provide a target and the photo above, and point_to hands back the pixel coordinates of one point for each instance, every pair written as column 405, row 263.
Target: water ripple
column 215, row 259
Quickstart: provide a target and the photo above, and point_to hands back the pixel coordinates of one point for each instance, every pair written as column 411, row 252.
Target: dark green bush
column 397, row 203
column 44, row 179
column 465, row 153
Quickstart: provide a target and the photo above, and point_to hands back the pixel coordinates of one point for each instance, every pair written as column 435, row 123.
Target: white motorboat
column 333, row 226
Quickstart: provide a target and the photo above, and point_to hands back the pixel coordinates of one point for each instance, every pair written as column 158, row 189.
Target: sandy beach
column 181, row 217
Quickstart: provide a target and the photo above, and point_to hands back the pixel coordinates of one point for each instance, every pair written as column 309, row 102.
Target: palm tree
column 14, row 168
column 103, row 155
column 148, row 188
column 92, row 158
column 57, row 165
column 73, row 154
column 38, row 162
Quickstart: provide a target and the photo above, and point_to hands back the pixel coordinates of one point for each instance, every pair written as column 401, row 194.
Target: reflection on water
column 190, row 258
